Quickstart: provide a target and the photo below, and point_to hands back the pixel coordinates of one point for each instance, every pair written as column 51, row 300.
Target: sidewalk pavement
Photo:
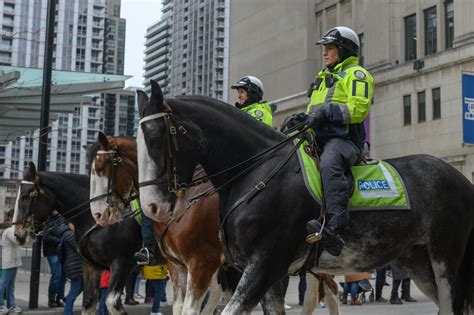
column 423, row 307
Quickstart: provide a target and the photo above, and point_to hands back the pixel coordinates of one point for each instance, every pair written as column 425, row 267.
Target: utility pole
column 43, row 142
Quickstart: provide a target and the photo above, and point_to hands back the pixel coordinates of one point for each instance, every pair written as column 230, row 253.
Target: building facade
column 89, row 37
column 417, row 52
column 194, row 59
column 274, row 41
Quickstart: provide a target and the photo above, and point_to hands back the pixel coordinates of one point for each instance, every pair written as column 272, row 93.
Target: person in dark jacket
column 50, row 251
column 72, row 263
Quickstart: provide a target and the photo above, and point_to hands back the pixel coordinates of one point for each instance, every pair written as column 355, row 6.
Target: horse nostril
column 154, row 208
column 98, row 216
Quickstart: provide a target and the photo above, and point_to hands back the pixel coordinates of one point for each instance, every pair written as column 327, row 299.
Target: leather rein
column 172, row 178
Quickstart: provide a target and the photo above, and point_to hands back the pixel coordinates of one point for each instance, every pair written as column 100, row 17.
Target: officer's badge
column 359, row 74
column 258, row 113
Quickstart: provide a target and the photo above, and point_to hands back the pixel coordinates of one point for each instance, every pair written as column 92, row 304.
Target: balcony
column 99, row 3
column 98, row 46
column 6, row 59
column 4, row 47
column 98, row 24
column 8, row 10
column 98, row 34
column 8, row 21
column 220, row 25
column 157, row 45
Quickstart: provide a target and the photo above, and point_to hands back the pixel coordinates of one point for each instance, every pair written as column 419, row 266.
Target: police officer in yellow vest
column 250, row 90
column 340, row 101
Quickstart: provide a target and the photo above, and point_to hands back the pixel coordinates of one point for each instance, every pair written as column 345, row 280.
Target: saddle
column 374, row 184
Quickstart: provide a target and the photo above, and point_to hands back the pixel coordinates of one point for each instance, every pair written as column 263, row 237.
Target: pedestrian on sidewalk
column 57, row 281
column 72, row 263
column 11, row 260
column 399, row 278
column 352, row 285
column 157, row 275
column 103, row 287
column 381, row 276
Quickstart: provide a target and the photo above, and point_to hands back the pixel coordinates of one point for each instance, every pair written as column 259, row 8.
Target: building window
column 421, row 106
column 436, row 103
column 449, row 24
column 410, row 37
column 407, row 110
column 430, row 31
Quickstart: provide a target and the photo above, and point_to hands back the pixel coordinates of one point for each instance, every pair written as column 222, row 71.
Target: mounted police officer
column 250, row 91
column 340, row 102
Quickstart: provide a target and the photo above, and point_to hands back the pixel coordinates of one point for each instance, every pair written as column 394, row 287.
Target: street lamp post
column 43, row 142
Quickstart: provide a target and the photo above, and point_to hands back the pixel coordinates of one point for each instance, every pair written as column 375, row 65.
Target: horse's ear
column 102, row 138
column 157, row 98
column 156, row 93
column 142, row 102
column 32, row 174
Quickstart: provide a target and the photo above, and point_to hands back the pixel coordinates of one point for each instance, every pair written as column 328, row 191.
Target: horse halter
column 174, row 185
column 112, row 195
column 32, row 196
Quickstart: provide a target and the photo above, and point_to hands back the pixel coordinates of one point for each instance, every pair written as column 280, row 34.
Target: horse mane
column 57, row 178
column 222, row 108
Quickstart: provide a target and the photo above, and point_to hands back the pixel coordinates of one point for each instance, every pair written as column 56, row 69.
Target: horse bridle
column 174, row 186
column 112, row 194
column 32, row 196
column 172, row 175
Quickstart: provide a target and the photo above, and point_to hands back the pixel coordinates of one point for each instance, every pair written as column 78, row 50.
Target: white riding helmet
column 250, row 83
column 341, row 36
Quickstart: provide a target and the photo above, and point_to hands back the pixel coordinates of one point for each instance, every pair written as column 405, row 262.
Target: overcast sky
column 140, row 14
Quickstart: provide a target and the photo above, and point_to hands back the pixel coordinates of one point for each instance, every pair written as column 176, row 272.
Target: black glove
column 292, row 121
column 317, row 116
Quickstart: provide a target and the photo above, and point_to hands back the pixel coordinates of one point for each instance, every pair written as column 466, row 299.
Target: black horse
column 264, row 233
column 101, row 248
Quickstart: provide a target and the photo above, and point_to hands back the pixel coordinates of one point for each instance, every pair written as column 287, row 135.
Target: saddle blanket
column 376, row 186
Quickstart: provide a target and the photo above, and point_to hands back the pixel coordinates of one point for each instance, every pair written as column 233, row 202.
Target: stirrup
column 316, row 236
column 142, row 257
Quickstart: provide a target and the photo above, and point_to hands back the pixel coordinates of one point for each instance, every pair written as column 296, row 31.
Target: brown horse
column 188, row 235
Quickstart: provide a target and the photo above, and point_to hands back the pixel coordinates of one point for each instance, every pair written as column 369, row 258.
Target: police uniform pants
column 336, row 160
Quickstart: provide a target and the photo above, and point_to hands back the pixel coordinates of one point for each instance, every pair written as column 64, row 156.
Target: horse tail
column 468, row 265
column 228, row 278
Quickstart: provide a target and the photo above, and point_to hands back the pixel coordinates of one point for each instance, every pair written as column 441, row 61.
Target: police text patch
column 359, row 74
column 373, row 185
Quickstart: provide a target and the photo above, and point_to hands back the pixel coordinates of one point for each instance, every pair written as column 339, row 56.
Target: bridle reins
column 172, row 145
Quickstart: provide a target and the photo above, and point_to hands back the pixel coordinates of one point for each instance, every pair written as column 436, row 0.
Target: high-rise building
column 114, row 41
column 79, row 34
column 194, row 59
column 89, row 37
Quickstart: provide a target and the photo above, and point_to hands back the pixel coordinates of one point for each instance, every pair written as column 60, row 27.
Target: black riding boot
column 406, row 291
column 330, row 238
